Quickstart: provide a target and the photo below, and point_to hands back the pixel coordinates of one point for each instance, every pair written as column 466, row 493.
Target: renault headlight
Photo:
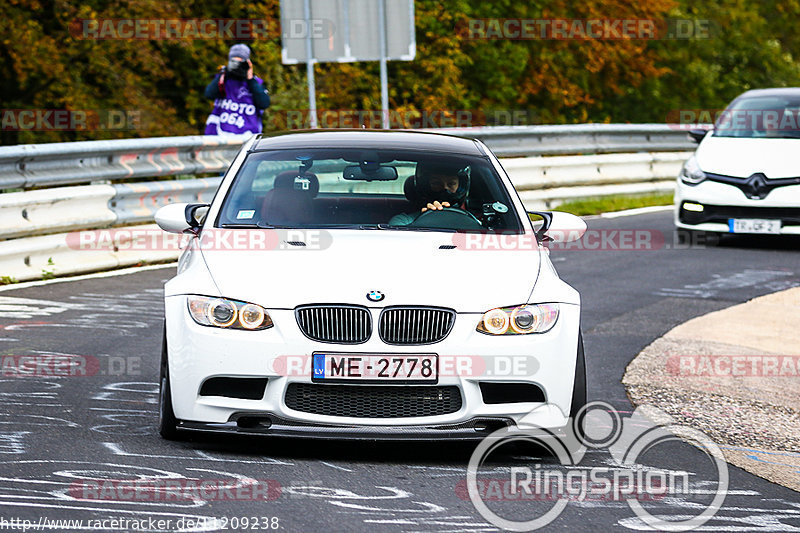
column 691, row 173
column 224, row 313
column 519, row 320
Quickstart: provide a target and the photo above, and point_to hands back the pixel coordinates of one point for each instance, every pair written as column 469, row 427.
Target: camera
column 236, row 69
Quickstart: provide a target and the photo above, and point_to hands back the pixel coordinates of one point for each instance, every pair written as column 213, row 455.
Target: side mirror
column 558, row 226
column 697, row 135
column 181, row 218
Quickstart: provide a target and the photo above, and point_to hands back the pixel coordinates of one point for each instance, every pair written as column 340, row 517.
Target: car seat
column 290, row 202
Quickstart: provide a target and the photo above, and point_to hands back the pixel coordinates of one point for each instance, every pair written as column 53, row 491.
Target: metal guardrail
column 36, row 165
column 546, row 182
column 138, row 202
column 95, row 206
column 635, row 158
column 516, row 141
column 52, row 210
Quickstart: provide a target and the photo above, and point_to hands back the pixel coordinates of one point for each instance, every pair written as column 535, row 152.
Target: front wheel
column 579, row 382
column 577, row 410
column 167, row 423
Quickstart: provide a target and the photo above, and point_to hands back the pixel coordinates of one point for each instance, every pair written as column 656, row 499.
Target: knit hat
column 240, row 50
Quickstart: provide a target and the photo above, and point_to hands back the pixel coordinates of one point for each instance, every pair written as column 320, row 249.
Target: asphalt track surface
column 59, row 432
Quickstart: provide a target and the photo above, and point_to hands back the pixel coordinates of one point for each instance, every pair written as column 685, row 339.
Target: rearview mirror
column 557, row 226
column 356, row 172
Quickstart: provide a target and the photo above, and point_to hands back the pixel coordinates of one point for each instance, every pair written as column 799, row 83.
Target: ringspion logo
column 564, row 479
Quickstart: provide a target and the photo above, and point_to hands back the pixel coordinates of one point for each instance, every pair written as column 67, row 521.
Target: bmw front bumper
column 197, row 353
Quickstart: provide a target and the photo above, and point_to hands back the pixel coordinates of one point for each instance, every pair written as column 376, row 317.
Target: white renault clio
column 745, row 175
column 367, row 284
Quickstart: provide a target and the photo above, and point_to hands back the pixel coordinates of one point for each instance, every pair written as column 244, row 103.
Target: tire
column 578, row 396
column 167, row 423
column 579, row 382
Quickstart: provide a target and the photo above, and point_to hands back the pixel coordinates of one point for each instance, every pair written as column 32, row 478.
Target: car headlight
column 519, row 320
column 224, row 313
column 691, row 173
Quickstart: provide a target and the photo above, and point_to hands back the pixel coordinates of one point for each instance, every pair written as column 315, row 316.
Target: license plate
column 754, row 225
column 394, row 368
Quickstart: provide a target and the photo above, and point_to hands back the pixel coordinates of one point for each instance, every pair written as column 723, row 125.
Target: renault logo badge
column 375, row 296
column 756, row 187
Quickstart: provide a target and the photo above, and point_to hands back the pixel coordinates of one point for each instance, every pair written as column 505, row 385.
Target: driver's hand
column 436, row 206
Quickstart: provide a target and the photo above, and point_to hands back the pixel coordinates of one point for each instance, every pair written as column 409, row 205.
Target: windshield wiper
column 256, row 226
column 250, row 226
column 349, row 226
column 273, row 226
column 414, row 228
column 325, row 226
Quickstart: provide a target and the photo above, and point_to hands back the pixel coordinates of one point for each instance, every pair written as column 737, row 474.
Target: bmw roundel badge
column 375, row 296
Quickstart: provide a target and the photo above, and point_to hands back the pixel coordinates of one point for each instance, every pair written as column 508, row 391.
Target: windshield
column 765, row 116
column 368, row 189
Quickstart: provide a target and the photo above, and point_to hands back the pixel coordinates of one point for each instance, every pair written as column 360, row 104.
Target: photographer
column 239, row 97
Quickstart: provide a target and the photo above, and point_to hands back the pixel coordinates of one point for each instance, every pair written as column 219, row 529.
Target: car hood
column 408, row 267
column 775, row 158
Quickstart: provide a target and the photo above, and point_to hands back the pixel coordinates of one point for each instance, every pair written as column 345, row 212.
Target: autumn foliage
column 48, row 67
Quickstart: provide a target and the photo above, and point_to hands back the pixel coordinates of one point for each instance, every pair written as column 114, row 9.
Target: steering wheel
column 447, row 218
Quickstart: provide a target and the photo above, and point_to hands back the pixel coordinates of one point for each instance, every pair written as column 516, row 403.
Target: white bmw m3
column 368, row 284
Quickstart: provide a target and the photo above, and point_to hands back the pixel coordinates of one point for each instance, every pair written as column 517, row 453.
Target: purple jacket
column 235, row 111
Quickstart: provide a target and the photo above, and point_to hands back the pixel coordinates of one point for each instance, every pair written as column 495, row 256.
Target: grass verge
column 607, row 204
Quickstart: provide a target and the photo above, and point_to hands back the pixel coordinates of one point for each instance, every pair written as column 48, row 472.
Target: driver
column 435, row 186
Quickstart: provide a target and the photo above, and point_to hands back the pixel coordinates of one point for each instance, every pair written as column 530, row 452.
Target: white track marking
column 425, row 507
column 343, row 469
column 26, row 308
column 723, row 283
column 637, row 211
column 12, row 443
column 201, row 456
